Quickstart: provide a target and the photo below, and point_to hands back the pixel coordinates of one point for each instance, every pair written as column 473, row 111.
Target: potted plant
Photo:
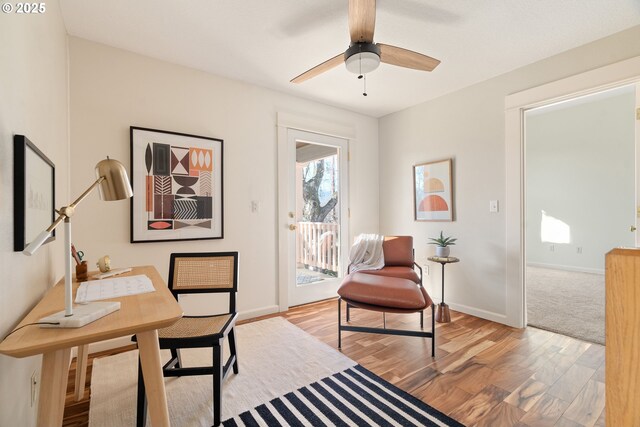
column 443, row 243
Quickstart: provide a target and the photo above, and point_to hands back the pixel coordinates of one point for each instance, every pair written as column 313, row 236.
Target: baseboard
column 566, row 268
column 477, row 312
column 126, row 340
column 262, row 311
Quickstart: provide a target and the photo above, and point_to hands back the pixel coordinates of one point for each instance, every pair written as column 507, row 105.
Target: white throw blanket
column 366, row 253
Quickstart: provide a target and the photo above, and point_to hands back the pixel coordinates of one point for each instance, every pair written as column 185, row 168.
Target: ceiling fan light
column 362, row 62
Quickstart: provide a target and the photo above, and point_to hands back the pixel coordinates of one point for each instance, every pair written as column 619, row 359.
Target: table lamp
column 113, row 182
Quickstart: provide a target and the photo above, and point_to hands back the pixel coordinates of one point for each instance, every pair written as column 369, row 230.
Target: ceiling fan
column 364, row 56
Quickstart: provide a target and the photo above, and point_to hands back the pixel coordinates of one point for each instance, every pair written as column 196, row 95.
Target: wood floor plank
column 564, row 422
column 593, row 357
column 571, row 382
column 503, row 371
column 455, row 360
column 599, row 375
column 502, row 415
column 553, row 368
column 525, row 396
column 545, row 413
column 479, row 405
column 588, row 405
column 601, row 420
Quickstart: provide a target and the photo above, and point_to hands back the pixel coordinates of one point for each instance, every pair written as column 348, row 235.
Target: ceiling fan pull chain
column 365, row 86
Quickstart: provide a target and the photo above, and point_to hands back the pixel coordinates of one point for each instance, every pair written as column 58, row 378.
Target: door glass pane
column 317, row 213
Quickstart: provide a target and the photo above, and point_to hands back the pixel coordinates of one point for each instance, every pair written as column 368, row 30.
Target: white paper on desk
column 95, row 290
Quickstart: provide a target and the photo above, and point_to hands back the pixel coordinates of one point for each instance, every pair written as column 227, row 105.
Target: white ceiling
column 268, row 42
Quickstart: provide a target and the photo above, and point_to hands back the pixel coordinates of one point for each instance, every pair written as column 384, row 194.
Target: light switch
column 493, row 206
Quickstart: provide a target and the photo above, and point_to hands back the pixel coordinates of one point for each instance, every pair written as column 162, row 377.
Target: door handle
column 292, row 227
column 632, row 228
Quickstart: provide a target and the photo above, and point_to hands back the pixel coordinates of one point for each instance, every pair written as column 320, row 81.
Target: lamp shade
column 116, row 185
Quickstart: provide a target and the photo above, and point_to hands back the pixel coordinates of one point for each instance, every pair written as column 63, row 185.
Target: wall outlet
column 35, row 386
column 493, row 206
column 425, row 269
column 579, row 249
column 552, row 248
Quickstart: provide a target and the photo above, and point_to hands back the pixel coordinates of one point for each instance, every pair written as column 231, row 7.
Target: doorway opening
column 580, row 202
column 317, row 213
column 314, row 198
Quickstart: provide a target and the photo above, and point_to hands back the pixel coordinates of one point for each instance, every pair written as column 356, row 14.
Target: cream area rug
column 274, row 357
column 567, row 302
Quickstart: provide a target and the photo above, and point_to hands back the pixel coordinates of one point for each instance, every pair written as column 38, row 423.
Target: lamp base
column 82, row 315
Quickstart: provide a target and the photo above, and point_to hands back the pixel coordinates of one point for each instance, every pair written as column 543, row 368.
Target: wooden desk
column 139, row 314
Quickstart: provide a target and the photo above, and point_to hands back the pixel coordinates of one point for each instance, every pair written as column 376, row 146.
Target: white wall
column 468, row 126
column 580, row 166
column 112, row 89
column 33, row 102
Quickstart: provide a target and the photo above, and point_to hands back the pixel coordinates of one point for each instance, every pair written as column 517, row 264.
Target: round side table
column 442, row 311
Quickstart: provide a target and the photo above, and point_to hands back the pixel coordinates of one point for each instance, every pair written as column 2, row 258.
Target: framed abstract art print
column 34, row 183
column 432, row 191
column 177, row 186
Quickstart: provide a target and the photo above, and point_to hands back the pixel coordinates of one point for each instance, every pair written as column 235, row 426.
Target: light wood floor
column 484, row 373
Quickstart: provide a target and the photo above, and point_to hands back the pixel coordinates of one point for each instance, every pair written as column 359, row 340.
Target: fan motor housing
column 362, row 58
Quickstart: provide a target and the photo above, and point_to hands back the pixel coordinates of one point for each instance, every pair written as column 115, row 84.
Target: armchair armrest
column 415, row 264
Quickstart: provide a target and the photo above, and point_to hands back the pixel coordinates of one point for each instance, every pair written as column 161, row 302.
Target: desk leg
column 53, row 387
column 153, row 379
column 81, row 371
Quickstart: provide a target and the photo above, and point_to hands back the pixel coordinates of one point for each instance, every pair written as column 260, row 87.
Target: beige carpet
column 566, row 302
column 274, row 357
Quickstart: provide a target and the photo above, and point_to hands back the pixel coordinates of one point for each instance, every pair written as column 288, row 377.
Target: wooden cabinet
column 623, row 338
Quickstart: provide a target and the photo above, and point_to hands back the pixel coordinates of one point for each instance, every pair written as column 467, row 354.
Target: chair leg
column 348, row 313
column 340, row 322
column 232, row 347
column 217, row 383
column 175, row 354
column 422, row 319
column 141, row 416
column 433, row 330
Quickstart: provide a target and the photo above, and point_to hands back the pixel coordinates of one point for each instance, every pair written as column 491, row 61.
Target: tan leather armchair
column 396, row 288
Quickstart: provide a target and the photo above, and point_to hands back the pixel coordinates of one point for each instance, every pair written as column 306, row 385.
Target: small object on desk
column 442, row 313
column 74, row 254
column 82, row 272
column 96, row 290
column 104, row 264
column 113, row 272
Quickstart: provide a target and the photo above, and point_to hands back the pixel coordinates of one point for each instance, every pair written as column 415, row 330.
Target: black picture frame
column 34, row 192
column 177, row 181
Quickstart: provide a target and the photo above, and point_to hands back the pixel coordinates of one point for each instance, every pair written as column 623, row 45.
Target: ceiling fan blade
column 319, row 69
column 362, row 20
column 406, row 58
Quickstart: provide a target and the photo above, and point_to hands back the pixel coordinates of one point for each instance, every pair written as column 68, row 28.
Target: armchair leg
column 433, row 330
column 422, row 319
column 141, row 416
column 340, row 321
column 348, row 313
column 232, row 347
column 217, row 383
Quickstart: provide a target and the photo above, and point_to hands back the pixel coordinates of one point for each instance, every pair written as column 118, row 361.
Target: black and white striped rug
column 353, row 397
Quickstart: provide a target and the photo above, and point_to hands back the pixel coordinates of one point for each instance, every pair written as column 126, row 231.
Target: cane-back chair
column 190, row 273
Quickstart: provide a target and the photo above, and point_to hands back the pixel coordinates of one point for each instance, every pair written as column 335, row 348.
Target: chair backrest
column 204, row 272
column 398, row 251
